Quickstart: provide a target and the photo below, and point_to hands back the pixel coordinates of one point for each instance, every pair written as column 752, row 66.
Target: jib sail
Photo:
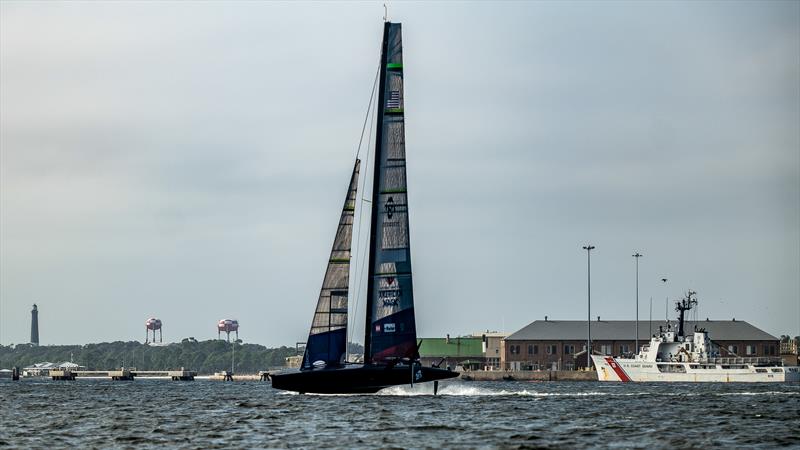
column 327, row 339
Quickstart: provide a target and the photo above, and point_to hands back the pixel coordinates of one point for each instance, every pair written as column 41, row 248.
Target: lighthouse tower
column 35, row 325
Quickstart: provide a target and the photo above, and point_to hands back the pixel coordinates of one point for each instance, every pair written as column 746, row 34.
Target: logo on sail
column 394, row 100
column 389, row 293
column 390, row 207
column 388, row 328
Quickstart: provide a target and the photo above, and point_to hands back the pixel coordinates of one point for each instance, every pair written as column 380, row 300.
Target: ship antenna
column 385, row 13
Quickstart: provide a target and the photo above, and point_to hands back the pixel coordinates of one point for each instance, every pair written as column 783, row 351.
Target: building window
column 535, row 349
column 569, row 349
column 552, row 349
column 604, row 349
column 530, row 349
column 623, row 349
column 750, row 350
column 733, row 349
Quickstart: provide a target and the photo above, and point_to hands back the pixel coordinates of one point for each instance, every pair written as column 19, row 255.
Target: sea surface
column 214, row 414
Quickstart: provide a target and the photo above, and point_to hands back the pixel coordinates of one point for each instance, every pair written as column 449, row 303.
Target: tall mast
column 375, row 195
column 682, row 306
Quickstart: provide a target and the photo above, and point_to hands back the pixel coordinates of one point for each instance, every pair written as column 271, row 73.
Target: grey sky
column 188, row 161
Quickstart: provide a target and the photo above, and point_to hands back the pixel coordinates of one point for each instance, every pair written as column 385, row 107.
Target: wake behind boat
column 391, row 349
column 673, row 357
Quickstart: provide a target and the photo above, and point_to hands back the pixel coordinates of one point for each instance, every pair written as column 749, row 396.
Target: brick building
column 554, row 344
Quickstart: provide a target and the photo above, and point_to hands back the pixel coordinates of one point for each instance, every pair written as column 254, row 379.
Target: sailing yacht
column 391, row 349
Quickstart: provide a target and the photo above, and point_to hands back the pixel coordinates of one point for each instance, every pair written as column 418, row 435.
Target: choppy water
column 209, row 414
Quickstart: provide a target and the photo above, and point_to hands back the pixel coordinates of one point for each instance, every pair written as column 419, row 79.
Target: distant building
column 789, row 351
column 492, row 346
column 561, row 344
column 35, row 325
column 293, row 362
column 465, row 352
column 43, row 369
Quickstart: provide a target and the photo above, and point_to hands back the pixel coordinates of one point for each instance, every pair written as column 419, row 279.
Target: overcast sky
column 188, row 161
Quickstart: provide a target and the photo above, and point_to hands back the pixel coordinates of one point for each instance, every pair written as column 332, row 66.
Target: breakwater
column 529, row 375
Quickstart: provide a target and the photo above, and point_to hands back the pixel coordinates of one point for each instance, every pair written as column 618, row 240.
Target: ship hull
column 630, row 370
column 361, row 379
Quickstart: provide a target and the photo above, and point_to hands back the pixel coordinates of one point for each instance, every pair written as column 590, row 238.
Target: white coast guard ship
column 671, row 356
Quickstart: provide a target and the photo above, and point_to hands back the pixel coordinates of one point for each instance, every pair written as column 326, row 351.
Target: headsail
column 327, row 339
column 390, row 328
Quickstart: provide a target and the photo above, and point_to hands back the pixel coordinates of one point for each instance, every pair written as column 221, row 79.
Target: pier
column 123, row 374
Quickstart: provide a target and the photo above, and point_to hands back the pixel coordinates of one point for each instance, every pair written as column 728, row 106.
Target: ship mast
column 683, row 305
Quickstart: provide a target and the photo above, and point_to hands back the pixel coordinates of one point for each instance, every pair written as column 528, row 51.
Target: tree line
column 205, row 357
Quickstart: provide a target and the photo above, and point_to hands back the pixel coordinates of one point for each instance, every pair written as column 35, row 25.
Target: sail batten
column 390, row 332
column 327, row 339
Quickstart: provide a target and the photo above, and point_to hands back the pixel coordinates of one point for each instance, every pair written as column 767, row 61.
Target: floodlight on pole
column 666, row 302
column 588, row 249
column 637, row 255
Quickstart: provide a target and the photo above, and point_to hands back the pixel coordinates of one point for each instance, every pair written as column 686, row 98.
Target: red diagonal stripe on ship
column 617, row 369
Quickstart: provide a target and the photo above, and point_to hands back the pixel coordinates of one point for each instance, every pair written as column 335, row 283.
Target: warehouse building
column 561, row 344
column 464, row 352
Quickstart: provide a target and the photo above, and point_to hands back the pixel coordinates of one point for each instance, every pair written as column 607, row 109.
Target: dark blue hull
column 364, row 379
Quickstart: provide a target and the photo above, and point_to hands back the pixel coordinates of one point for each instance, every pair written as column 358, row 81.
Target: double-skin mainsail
column 390, row 333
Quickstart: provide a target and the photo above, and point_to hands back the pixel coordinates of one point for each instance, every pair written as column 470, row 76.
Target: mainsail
column 327, row 339
column 390, row 332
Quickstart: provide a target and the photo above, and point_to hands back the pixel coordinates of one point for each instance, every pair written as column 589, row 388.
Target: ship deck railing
column 753, row 360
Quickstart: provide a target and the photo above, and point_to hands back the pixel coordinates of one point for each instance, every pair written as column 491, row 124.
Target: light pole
column 637, row 255
column 588, row 249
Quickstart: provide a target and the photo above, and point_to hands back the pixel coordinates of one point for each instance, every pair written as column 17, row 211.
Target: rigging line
column 369, row 107
column 361, row 140
column 358, row 271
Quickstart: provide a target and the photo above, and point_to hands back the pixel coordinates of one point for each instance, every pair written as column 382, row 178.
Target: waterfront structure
column 35, row 325
column 492, row 347
column 561, row 344
column 478, row 351
column 43, row 369
column 789, row 351
column 459, row 352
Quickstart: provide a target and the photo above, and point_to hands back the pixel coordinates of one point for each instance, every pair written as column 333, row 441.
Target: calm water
column 208, row 414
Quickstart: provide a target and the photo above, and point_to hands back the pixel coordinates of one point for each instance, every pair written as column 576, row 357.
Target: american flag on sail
column 394, row 99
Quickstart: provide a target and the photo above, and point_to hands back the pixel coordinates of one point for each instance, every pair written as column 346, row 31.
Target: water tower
column 152, row 324
column 228, row 325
